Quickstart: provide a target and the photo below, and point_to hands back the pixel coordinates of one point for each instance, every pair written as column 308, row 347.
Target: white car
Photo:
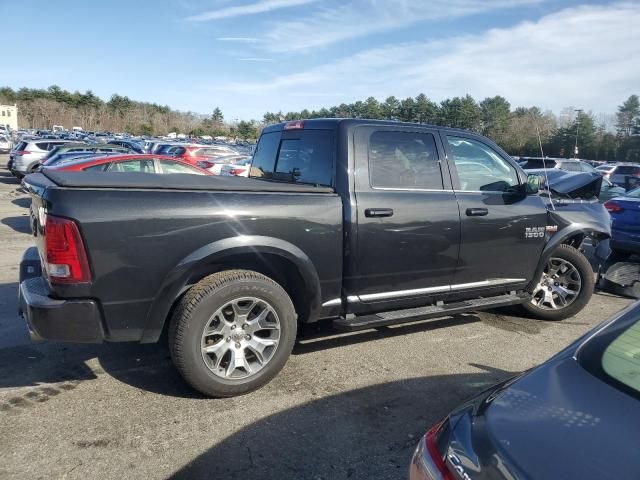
column 5, row 144
column 223, row 161
column 238, row 169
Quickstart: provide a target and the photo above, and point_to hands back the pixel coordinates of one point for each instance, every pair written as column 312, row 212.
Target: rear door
column 408, row 222
column 502, row 229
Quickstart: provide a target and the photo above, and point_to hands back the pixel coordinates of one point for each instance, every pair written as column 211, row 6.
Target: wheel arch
column 279, row 260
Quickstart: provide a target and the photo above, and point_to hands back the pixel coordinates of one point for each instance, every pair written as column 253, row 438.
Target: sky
column 252, row 56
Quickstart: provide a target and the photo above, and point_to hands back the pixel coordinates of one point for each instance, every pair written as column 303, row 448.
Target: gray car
column 29, row 155
column 575, row 416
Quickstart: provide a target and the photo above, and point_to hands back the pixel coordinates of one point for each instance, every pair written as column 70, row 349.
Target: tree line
column 519, row 131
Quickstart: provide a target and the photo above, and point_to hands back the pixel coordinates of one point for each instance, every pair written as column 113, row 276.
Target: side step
column 352, row 323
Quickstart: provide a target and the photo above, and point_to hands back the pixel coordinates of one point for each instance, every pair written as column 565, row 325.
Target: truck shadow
column 24, row 202
column 365, row 433
column 148, row 367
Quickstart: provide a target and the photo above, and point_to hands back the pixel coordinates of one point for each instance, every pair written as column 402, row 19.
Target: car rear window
column 613, row 354
column 303, row 156
column 533, row 163
column 627, row 170
column 43, row 145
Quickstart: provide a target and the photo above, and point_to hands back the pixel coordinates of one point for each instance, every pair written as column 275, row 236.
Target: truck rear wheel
column 565, row 287
column 232, row 333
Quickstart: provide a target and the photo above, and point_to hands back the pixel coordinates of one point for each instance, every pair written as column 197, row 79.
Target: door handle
column 477, row 212
column 378, row 212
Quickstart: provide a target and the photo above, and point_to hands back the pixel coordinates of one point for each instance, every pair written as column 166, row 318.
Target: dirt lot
column 345, row 406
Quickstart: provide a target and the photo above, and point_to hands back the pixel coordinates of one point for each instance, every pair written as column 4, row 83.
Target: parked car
column 609, row 190
column 626, row 175
column 216, row 164
column 567, row 164
column 129, row 144
column 195, row 154
column 142, row 163
column 29, row 155
column 78, row 150
column 625, row 223
column 5, row 144
column 358, row 222
column 575, row 416
column 239, row 168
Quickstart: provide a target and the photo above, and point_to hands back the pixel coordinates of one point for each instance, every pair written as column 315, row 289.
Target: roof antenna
column 544, row 164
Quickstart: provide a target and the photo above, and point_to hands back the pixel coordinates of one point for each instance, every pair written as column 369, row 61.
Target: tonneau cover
column 178, row 181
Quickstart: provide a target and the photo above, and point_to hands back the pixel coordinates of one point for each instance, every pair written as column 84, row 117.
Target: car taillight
column 428, row 463
column 613, row 207
column 22, row 152
column 66, row 259
column 236, row 171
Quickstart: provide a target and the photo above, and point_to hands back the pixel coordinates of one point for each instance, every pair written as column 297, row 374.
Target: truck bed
column 179, row 181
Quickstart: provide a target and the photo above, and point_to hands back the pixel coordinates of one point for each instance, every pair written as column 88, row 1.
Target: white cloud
column 328, row 25
column 239, row 39
column 585, row 56
column 262, row 6
column 256, row 59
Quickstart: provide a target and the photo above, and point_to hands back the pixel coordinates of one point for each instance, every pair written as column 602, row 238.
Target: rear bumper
column 73, row 320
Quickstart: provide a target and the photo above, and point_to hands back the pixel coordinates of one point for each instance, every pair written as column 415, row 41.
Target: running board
column 352, row 323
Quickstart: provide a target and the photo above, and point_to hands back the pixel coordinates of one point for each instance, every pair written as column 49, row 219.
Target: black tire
column 581, row 264
column 194, row 313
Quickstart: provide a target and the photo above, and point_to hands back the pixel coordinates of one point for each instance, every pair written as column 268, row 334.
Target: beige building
column 9, row 116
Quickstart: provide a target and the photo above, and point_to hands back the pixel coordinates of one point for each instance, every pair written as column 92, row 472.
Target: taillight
column 236, row 171
column 22, row 152
column 613, row 207
column 428, row 463
column 66, row 259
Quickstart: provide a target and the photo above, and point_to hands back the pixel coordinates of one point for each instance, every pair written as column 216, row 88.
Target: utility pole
column 575, row 150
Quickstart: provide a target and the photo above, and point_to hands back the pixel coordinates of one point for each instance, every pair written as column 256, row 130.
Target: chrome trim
column 403, row 293
column 488, row 283
column 429, row 290
column 394, row 189
column 332, row 303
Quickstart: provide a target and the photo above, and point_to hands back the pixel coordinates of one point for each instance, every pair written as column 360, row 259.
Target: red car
column 145, row 163
column 200, row 155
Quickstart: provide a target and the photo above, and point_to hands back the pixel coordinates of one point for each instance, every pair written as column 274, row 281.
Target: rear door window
column 404, row 160
column 167, row 166
column 43, row 145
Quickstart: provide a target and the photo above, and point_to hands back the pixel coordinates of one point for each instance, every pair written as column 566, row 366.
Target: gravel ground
column 345, row 405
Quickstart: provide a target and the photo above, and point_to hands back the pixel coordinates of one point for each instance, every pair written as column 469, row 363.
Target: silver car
column 28, row 157
column 5, row 144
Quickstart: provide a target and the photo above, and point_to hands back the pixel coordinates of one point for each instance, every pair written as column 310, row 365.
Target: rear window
column 627, row 170
column 532, row 163
column 43, row 145
column 571, row 167
column 304, row 156
column 613, row 355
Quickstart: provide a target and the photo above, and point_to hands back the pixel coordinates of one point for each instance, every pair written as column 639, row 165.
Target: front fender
column 180, row 277
column 572, row 219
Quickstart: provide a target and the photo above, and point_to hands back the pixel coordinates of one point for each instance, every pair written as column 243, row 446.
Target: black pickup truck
column 363, row 223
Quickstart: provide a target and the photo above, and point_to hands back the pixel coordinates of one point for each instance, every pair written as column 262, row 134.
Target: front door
column 502, row 228
column 408, row 223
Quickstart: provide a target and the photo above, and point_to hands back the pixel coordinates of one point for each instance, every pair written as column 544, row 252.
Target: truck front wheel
column 565, row 287
column 232, row 332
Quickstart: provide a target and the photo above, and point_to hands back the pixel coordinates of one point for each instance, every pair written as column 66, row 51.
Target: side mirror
column 533, row 184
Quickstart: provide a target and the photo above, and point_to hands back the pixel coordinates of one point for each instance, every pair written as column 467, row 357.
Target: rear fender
column 203, row 261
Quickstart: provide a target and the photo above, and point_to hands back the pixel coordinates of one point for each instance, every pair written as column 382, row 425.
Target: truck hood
column 574, row 185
